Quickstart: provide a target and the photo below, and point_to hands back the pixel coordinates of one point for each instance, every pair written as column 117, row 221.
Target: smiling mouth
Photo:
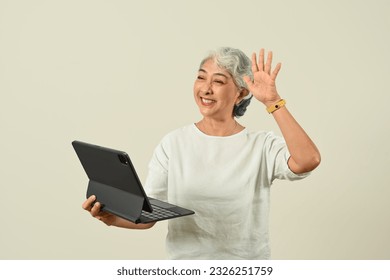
column 206, row 101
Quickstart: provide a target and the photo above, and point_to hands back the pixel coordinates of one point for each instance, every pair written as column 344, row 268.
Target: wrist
column 276, row 105
column 271, row 101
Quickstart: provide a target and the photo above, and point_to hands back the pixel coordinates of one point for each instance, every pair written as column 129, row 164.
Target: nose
column 206, row 89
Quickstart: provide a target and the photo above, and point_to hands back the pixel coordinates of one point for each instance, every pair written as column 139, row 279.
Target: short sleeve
column 156, row 184
column 277, row 156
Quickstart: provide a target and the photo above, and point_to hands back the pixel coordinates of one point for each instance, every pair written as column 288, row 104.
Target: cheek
column 195, row 88
column 233, row 97
column 194, row 92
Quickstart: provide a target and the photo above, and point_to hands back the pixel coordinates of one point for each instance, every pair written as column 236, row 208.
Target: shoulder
column 169, row 144
column 264, row 141
column 179, row 135
column 184, row 131
column 264, row 136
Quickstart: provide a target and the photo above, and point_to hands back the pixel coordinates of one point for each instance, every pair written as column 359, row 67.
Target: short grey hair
column 238, row 65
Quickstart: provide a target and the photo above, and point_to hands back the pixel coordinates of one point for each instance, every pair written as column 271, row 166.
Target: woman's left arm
column 304, row 155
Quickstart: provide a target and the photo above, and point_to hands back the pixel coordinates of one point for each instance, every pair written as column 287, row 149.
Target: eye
column 200, row 78
column 219, row 82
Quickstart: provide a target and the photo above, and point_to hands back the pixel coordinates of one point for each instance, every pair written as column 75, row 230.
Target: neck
column 214, row 127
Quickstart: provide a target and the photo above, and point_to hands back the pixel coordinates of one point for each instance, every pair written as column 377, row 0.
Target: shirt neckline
column 244, row 131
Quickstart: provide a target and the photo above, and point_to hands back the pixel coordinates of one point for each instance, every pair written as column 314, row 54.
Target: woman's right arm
column 94, row 208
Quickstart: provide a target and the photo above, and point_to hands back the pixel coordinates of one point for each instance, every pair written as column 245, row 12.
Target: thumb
column 248, row 82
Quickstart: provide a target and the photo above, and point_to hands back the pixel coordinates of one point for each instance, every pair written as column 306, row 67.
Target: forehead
column 211, row 67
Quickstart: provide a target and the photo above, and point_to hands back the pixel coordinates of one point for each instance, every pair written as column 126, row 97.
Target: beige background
column 120, row 74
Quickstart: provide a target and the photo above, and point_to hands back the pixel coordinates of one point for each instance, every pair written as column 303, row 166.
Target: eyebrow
column 219, row 74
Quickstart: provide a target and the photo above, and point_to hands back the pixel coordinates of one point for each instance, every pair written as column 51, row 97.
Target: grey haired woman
column 220, row 169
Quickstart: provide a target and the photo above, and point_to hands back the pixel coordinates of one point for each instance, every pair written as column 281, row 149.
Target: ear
column 242, row 93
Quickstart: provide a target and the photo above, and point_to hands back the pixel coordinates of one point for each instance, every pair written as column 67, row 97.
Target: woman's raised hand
column 263, row 86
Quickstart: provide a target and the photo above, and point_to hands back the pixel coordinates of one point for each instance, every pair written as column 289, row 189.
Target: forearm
column 304, row 154
column 119, row 222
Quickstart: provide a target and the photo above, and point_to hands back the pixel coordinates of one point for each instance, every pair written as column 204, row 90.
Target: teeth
column 207, row 101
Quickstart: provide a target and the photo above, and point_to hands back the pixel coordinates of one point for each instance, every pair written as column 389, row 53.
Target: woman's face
column 215, row 91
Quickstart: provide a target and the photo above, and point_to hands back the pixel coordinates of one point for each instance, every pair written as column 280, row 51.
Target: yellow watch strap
column 276, row 106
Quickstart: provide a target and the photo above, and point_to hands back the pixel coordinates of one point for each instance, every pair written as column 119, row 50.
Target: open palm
column 263, row 86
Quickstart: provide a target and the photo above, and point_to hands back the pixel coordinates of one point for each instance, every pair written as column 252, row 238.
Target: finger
column 268, row 64
column 87, row 205
column 261, row 60
column 254, row 63
column 95, row 210
column 276, row 71
column 250, row 84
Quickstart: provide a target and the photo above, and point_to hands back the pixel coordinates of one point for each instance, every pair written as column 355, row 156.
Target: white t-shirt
column 226, row 181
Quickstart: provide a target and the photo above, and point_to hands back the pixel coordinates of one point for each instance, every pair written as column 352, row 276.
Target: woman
column 219, row 169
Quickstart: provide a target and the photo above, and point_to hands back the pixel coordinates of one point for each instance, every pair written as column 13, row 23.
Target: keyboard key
column 159, row 213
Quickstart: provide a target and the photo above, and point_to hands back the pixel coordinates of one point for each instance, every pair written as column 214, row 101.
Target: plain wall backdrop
column 120, row 74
